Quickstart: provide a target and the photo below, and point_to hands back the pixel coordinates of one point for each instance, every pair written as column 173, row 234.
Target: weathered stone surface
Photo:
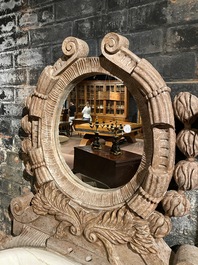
column 147, row 42
column 182, row 38
column 52, row 34
column 175, row 66
column 13, row 77
column 147, row 16
column 65, row 9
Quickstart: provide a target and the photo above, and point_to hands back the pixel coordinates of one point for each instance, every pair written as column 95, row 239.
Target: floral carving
column 118, row 226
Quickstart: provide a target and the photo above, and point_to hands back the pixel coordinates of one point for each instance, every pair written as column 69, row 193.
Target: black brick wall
column 31, row 33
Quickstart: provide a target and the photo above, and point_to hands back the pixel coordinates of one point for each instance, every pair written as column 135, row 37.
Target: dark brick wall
column 31, row 33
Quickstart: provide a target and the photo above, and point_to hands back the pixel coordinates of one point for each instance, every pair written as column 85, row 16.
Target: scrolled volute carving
column 21, row 208
column 115, row 48
column 187, row 142
column 186, row 107
column 175, row 204
column 72, row 45
column 186, row 174
column 73, row 49
column 160, row 225
column 113, row 42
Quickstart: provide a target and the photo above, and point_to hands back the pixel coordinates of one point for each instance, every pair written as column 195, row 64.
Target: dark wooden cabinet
column 105, row 168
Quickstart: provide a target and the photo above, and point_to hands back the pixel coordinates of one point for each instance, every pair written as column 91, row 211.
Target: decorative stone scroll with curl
column 118, row 226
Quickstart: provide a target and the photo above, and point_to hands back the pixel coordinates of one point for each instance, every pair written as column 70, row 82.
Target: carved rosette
column 186, row 171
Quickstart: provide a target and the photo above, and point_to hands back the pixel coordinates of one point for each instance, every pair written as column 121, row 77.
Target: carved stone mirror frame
column 120, row 222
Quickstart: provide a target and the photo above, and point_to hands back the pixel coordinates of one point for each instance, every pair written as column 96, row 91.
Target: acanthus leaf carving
column 120, row 226
column 49, row 200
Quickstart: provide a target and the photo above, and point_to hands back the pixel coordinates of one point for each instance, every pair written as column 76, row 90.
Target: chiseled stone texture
column 31, row 35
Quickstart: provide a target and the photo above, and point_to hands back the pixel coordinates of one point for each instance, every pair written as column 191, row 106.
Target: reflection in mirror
column 108, row 143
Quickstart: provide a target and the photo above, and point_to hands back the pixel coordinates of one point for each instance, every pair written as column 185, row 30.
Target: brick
column 5, row 126
column 13, row 110
column 78, row 8
column 22, row 39
column 7, row 42
column 115, row 22
column 113, row 5
column 7, row 187
column 89, row 28
column 34, row 74
column 146, row 42
column 177, row 87
column 21, row 94
column 14, row 40
column 15, row 126
column 54, row 34
column 6, row 94
column 46, row 14
column 6, row 60
column 182, row 11
column 6, row 199
column 180, row 67
column 34, row 3
column 182, row 38
column 29, row 57
column 13, row 77
column 147, row 16
column 7, row 24
column 28, row 18
column 12, row 6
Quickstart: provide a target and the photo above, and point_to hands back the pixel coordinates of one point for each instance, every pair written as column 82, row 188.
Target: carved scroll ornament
column 121, row 221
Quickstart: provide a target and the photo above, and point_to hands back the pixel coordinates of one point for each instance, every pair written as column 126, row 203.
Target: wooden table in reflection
column 104, row 167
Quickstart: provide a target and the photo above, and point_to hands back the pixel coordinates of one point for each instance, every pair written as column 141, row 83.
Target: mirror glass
column 100, row 132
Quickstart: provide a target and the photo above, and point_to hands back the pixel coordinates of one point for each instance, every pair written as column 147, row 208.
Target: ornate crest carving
column 121, row 222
